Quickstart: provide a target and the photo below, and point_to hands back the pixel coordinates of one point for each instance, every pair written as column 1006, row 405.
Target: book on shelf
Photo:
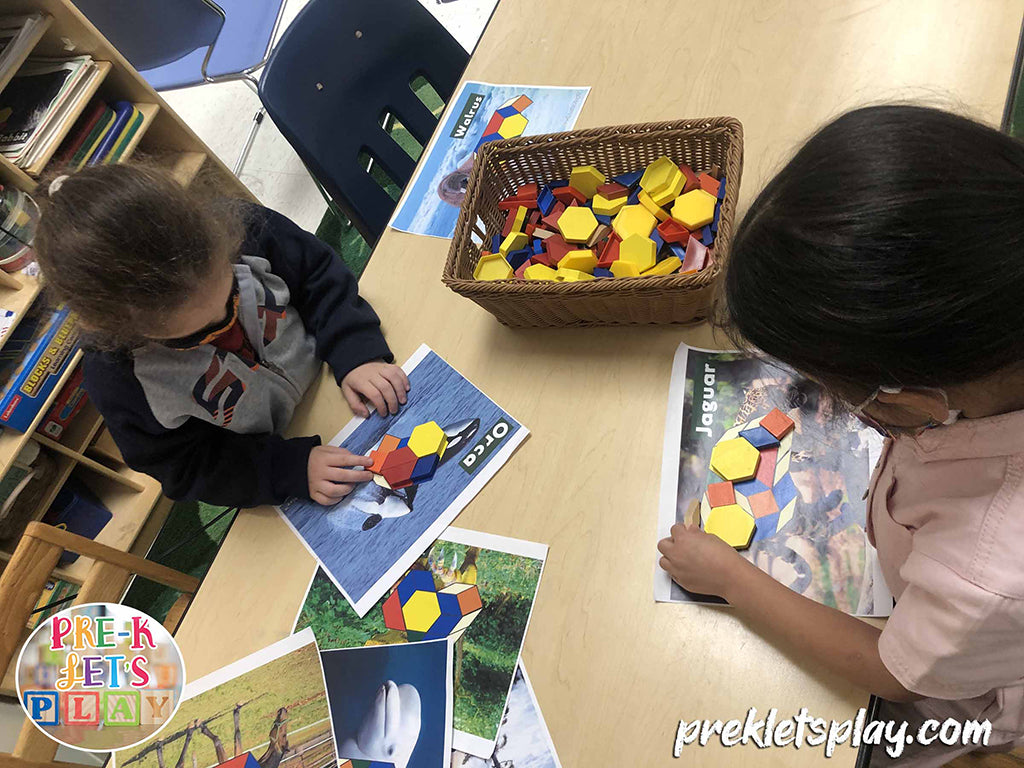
column 123, row 113
column 7, row 317
column 127, row 134
column 16, row 35
column 93, row 117
column 33, row 360
column 76, row 509
column 66, row 406
column 36, row 106
column 56, row 596
column 101, row 135
column 22, row 489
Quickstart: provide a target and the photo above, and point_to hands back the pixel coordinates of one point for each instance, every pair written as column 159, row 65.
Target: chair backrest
column 335, row 71
column 242, row 46
column 150, row 33
column 23, row 580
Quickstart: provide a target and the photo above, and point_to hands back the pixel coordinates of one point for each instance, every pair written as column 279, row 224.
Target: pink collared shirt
column 946, row 513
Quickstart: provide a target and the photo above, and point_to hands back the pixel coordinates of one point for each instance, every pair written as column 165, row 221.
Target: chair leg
column 257, row 121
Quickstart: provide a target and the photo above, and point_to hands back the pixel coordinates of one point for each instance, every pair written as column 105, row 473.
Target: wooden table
column 613, row 671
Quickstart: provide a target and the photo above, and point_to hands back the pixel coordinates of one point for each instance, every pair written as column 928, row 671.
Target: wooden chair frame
column 22, row 582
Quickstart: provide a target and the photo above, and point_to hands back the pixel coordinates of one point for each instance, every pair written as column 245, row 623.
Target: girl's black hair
column 888, row 251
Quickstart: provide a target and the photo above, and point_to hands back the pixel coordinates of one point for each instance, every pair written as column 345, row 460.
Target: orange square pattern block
column 778, row 423
column 721, row 494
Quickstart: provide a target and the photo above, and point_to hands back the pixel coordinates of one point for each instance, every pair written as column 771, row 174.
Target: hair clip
column 56, row 184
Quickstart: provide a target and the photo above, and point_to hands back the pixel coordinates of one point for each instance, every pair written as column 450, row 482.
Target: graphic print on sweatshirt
column 218, row 390
column 219, row 386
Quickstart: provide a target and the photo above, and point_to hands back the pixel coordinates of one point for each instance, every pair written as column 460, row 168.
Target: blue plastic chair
column 178, row 43
column 334, row 76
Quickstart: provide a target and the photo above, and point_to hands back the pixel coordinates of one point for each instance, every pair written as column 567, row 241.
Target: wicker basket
column 502, row 166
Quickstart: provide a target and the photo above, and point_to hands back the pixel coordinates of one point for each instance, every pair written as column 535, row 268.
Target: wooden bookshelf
column 13, row 175
column 102, row 70
column 105, row 450
column 85, row 450
column 82, row 429
column 91, row 464
column 130, row 510
column 185, row 166
column 65, row 465
column 149, row 112
column 18, row 300
column 32, row 42
column 11, row 441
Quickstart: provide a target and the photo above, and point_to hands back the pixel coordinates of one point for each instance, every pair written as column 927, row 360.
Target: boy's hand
column 331, row 477
column 381, row 384
column 698, row 561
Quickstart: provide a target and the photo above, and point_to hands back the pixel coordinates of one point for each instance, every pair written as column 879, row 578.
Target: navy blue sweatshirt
column 207, row 422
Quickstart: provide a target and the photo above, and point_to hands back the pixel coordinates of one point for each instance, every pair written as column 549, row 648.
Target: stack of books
column 39, row 103
column 101, row 135
column 17, row 35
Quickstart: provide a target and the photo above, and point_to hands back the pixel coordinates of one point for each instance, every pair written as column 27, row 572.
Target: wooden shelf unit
column 33, row 41
column 18, row 300
column 102, row 70
column 85, row 450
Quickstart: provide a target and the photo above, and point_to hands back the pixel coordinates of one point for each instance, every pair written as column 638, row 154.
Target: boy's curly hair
column 121, row 244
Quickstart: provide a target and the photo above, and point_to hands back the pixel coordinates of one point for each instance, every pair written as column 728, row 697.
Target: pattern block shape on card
column 753, row 461
column 424, row 612
column 401, row 462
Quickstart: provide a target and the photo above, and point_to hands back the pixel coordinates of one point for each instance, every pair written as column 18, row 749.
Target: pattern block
column 507, row 122
column 732, row 525
column 778, row 423
column 401, row 462
column 766, row 495
column 735, row 459
column 424, row 612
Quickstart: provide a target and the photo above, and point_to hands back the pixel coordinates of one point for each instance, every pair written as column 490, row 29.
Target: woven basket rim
column 651, row 287
column 577, row 137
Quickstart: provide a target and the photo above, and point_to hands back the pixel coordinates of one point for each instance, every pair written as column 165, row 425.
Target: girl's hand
column 698, row 561
column 381, row 384
column 332, row 473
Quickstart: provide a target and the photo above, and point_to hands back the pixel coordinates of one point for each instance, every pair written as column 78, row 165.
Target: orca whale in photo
column 378, row 503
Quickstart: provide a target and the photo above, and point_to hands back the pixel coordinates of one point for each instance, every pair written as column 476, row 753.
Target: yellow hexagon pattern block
column 512, row 126
column 735, row 459
column 639, row 250
column 539, row 272
column 672, row 191
column 694, row 209
column 732, row 524
column 577, row 224
column 492, row 266
column 605, row 207
column 658, row 176
column 586, row 178
column 567, row 275
column 584, row 261
column 633, row 220
column 421, row 611
column 427, row 439
column 622, row 268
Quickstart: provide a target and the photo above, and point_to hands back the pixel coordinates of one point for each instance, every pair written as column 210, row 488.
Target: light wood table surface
column 613, row 671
